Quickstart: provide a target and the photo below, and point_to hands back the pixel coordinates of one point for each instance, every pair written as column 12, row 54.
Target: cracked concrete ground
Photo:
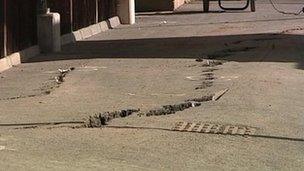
column 151, row 64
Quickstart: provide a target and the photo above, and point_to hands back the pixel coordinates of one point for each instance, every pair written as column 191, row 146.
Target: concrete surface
column 150, row 64
column 18, row 57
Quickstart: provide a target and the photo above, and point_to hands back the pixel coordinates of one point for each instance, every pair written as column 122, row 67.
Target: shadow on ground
column 240, row 48
column 175, row 13
column 188, row 12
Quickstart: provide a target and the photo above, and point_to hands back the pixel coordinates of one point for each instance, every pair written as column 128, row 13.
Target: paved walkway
column 151, row 64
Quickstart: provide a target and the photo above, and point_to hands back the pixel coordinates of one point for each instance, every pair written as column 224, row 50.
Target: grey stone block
column 114, row 22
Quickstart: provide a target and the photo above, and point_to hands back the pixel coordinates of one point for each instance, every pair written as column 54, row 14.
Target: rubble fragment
column 62, row 73
column 211, row 63
column 219, row 94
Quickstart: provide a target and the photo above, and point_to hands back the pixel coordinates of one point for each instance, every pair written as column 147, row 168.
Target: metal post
column 71, row 15
column 96, row 18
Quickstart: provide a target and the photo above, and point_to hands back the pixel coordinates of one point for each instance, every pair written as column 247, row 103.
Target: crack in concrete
column 25, row 96
column 208, row 75
column 100, row 119
column 204, row 85
column 170, row 109
column 47, row 88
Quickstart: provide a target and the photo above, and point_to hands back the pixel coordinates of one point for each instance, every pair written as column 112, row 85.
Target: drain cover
column 213, row 128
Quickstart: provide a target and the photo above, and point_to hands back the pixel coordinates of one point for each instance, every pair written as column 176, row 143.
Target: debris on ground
column 2, row 147
column 209, row 61
column 164, row 22
column 199, row 59
column 62, row 73
column 193, row 78
column 219, row 94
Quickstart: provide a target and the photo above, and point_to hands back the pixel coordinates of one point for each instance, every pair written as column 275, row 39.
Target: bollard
column 48, row 26
column 126, row 11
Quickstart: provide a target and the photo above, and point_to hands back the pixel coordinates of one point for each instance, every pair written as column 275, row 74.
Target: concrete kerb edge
column 103, row 26
column 22, row 56
column 86, row 32
column 95, row 29
column 91, row 30
column 18, row 57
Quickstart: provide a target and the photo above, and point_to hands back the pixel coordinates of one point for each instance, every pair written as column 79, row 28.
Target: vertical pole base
column 49, row 39
column 126, row 11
